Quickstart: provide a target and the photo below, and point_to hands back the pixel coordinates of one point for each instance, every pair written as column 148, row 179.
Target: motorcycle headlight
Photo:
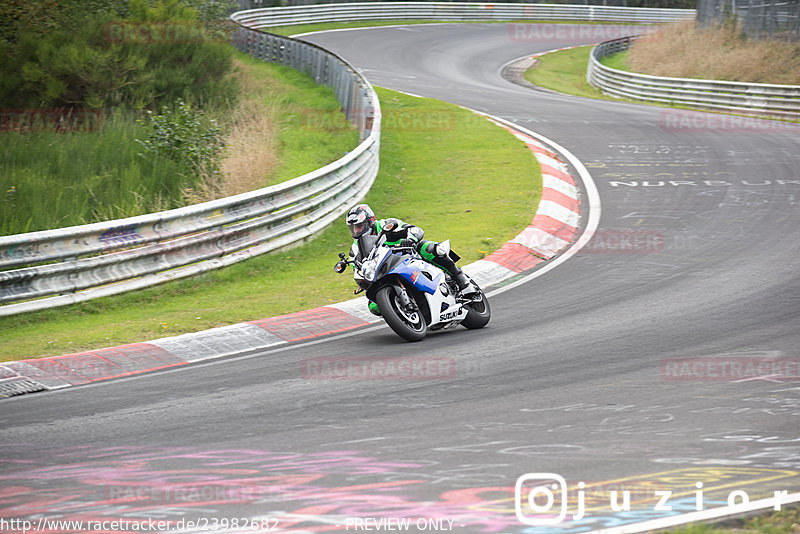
column 368, row 269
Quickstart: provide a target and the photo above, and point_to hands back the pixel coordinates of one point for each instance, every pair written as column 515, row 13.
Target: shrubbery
column 64, row 55
column 65, row 58
column 180, row 134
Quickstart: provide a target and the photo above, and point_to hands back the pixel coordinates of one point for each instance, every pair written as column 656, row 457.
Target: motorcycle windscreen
column 366, row 243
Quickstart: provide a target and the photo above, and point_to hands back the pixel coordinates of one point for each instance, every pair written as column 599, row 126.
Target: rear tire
column 478, row 313
column 408, row 323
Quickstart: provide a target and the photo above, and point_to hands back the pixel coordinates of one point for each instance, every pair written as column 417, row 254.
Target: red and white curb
column 552, row 229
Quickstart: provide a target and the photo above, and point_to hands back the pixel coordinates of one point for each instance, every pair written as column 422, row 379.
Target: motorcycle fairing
column 411, row 270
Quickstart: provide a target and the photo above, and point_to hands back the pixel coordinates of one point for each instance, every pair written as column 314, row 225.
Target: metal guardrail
column 84, row 262
column 453, row 12
column 770, row 100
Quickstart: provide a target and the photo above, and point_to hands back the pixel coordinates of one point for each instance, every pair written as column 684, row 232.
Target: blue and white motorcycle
column 413, row 296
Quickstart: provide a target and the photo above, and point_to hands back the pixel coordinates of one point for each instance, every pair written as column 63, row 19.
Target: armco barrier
column 84, row 262
column 452, row 12
column 747, row 98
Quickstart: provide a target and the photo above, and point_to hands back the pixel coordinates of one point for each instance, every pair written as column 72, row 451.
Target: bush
column 63, row 54
column 180, row 134
column 63, row 68
column 69, row 59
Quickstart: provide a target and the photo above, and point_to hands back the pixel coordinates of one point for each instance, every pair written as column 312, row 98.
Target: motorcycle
column 413, row 296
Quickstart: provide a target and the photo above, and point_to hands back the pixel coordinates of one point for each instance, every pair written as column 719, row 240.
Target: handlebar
column 344, row 261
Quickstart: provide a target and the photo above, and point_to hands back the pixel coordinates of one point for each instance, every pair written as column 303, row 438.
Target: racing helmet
column 360, row 220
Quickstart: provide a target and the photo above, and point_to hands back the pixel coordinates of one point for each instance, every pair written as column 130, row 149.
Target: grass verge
column 786, row 521
column 269, row 132
column 619, row 61
column 565, row 72
column 451, row 172
column 304, row 144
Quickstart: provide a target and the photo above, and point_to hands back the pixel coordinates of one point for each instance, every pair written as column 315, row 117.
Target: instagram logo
column 535, row 496
column 534, row 505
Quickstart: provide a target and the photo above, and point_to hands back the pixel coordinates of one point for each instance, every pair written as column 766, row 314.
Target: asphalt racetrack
column 668, row 366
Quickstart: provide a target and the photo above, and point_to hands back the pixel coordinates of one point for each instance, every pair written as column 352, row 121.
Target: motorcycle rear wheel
column 407, row 322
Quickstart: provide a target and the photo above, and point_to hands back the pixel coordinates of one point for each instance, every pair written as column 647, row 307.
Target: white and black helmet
column 360, row 220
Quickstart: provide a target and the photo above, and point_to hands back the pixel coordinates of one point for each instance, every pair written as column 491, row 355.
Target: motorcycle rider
column 361, row 220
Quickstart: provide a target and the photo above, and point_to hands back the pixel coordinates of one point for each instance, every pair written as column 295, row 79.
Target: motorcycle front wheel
column 406, row 321
column 478, row 313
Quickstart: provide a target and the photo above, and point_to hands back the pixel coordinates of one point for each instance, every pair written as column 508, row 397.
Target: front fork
column 403, row 297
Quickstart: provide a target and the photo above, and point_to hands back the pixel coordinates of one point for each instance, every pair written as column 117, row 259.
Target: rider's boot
column 439, row 256
column 464, row 286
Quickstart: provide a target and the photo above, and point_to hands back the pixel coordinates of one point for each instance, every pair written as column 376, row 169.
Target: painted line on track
column 722, row 512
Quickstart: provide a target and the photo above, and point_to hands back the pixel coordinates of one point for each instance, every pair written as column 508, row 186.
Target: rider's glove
column 406, row 243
